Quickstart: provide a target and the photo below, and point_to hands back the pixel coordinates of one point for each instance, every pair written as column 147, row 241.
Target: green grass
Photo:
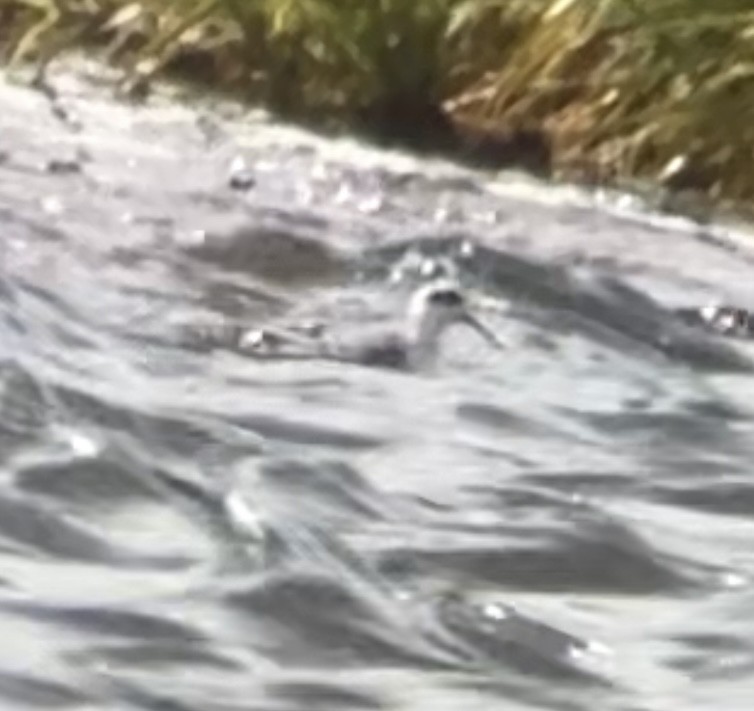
column 659, row 90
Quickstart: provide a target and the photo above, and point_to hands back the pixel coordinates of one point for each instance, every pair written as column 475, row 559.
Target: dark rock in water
column 242, row 180
column 241, row 176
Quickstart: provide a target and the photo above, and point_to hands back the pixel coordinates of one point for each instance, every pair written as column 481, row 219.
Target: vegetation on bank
column 601, row 90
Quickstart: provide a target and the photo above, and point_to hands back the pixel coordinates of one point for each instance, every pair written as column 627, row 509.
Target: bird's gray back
column 378, row 347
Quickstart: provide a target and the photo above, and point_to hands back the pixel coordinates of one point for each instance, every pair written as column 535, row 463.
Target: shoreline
column 603, row 97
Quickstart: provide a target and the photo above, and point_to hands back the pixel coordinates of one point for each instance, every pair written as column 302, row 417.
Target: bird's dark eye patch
column 446, row 297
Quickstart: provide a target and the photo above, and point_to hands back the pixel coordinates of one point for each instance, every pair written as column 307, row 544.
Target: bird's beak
column 483, row 331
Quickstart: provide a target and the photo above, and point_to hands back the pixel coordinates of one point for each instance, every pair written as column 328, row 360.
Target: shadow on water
column 187, row 525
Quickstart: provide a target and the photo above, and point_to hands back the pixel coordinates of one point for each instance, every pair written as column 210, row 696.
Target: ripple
column 565, row 524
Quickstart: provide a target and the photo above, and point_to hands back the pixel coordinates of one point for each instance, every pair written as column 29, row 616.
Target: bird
column 402, row 345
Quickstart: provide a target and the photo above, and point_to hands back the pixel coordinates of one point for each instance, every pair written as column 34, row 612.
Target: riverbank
column 602, row 93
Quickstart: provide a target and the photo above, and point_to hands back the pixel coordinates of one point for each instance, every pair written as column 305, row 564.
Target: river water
column 566, row 524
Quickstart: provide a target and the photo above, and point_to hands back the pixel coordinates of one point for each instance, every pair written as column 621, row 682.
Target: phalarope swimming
column 403, row 345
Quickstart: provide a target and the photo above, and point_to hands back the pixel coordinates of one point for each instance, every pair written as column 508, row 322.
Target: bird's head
column 440, row 304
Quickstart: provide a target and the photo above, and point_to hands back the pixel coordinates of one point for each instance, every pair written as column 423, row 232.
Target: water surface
column 566, row 524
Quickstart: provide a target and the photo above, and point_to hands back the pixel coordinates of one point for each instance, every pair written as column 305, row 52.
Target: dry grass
column 625, row 88
column 655, row 89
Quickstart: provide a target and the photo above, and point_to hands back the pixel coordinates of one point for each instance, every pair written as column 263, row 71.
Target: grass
column 600, row 90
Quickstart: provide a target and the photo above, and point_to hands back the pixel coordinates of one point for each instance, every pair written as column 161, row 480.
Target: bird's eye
column 446, row 297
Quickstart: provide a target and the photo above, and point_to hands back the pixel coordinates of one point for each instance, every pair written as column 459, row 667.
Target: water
column 566, row 524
